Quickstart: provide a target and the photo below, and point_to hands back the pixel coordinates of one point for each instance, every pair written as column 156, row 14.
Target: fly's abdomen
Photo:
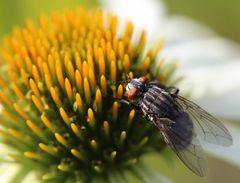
column 157, row 102
column 182, row 128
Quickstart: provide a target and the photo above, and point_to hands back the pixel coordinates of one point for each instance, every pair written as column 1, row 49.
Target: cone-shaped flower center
column 60, row 85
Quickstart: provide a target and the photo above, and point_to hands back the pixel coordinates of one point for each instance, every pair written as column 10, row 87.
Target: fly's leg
column 164, row 124
column 123, row 101
column 173, row 90
column 137, row 108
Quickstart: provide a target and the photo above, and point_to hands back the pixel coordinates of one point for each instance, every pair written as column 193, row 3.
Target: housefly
column 179, row 120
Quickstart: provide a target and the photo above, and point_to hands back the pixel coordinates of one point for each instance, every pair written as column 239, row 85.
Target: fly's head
column 136, row 87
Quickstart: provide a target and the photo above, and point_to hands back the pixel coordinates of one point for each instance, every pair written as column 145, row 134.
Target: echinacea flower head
column 61, row 81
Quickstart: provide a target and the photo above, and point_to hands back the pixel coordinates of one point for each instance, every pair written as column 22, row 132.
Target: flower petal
column 211, row 77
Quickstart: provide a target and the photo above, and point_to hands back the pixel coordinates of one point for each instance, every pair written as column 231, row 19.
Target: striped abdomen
column 158, row 102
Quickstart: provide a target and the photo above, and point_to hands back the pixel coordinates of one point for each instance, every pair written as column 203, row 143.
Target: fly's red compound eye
column 143, row 79
column 131, row 94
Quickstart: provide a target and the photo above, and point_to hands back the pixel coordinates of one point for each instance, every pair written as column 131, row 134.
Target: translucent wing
column 205, row 125
column 192, row 155
column 184, row 143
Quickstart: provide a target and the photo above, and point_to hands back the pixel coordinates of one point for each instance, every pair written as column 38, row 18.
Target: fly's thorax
column 158, row 102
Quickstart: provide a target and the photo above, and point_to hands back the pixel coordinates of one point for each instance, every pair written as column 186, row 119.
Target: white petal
column 144, row 13
column 178, row 29
column 216, row 88
column 8, row 170
column 212, row 77
column 202, row 51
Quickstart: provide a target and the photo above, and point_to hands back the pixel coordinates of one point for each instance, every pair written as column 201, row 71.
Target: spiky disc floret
column 60, row 84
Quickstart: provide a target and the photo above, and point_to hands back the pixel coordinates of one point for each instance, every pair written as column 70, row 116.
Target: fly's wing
column 187, row 147
column 192, row 155
column 205, row 125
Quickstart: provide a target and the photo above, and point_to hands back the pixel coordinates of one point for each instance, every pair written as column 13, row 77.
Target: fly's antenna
column 122, row 82
column 128, row 79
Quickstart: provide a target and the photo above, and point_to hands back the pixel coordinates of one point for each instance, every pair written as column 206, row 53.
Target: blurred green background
column 15, row 12
column 222, row 16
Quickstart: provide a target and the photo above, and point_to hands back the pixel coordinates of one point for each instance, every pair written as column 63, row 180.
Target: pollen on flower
column 68, row 89
column 38, row 131
column 76, row 130
column 76, row 153
column 55, row 97
column 79, row 103
column 64, row 116
column 61, row 140
column 48, row 149
column 60, row 85
column 16, row 134
column 32, row 155
column 34, row 87
column 48, row 124
column 106, row 128
column 94, row 144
